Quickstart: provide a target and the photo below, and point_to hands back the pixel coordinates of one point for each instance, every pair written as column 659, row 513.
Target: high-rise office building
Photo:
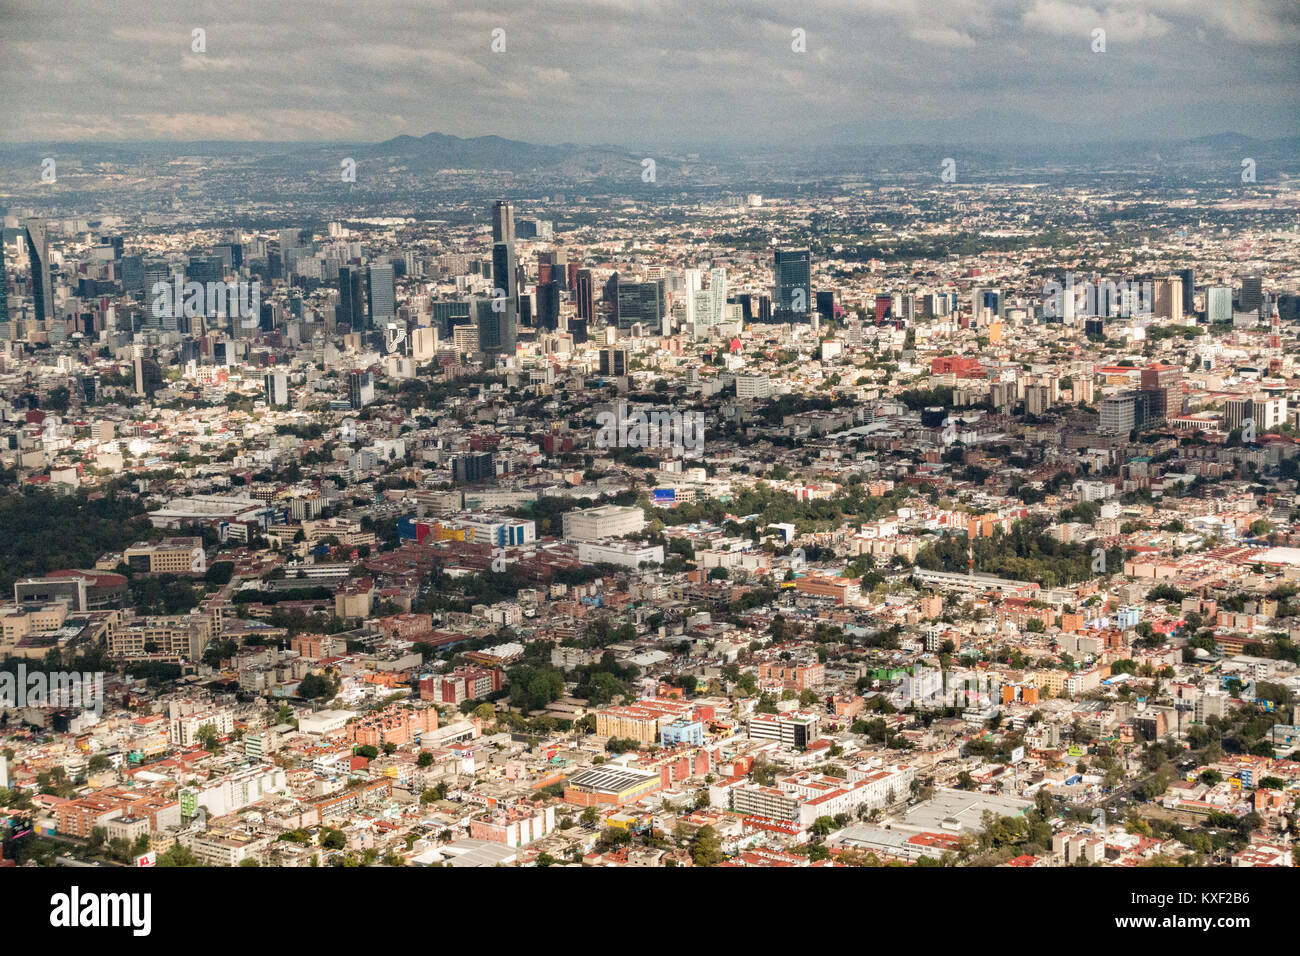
column 1169, row 299
column 641, row 303
column 1163, row 387
column 826, row 304
column 1218, row 303
column 231, row 253
column 1118, row 414
column 277, row 388
column 554, row 266
column 205, row 269
column 503, row 221
column 381, row 294
column 585, row 295
column 505, row 296
column 295, row 244
column 132, row 273
column 148, row 374
column 361, row 389
column 746, row 303
column 449, row 314
column 350, row 312
column 548, row 306
column 487, row 323
column 613, row 362
column 1189, row 287
column 1252, row 293
column 4, row 285
column 473, row 468
column 536, row 229
column 792, row 286
column 38, row 251
column 706, row 308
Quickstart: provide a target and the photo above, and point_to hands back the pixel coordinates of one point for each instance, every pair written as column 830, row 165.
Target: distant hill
column 437, row 151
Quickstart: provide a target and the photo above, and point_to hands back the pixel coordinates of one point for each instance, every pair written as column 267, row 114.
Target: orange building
column 393, row 725
column 793, row 676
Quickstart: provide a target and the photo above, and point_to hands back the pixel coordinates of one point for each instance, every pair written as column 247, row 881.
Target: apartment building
column 183, row 730
column 169, row 556
column 393, row 725
column 516, row 825
column 461, row 684
column 792, row 675
column 232, row 792
column 641, row 721
column 168, row 638
column 793, row 729
column 828, row 585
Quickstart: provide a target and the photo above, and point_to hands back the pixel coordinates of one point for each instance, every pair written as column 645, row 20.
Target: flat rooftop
column 959, row 811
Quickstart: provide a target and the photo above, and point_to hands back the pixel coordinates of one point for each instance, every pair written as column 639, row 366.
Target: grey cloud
column 640, row 74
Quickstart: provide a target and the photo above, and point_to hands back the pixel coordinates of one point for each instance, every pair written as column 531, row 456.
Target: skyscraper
column 277, row 388
column 1169, row 299
column 381, row 294
column 205, row 269
column 133, row 273
column 295, row 244
column 792, row 288
column 38, row 250
column 505, row 294
column 826, row 304
column 361, row 389
column 585, row 295
column 641, row 303
column 148, row 374
column 350, row 310
column 1218, row 303
column 4, row 285
column 503, row 221
column 1189, row 287
column 706, row 308
column 548, row 306
column 1163, row 387
column 1252, row 293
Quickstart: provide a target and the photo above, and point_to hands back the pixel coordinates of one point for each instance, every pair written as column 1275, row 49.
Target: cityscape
column 432, row 500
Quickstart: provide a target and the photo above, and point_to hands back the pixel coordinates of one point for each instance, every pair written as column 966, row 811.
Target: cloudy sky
column 647, row 72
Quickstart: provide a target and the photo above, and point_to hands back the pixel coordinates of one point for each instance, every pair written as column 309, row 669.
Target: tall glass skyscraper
column 38, row 250
column 641, row 303
column 505, row 294
column 350, row 310
column 503, row 221
column 585, row 297
column 792, row 288
column 382, row 294
column 4, row 285
column 1189, row 287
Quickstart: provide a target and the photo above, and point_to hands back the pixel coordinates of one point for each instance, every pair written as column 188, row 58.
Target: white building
column 753, row 386
column 606, row 521
column 624, row 555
